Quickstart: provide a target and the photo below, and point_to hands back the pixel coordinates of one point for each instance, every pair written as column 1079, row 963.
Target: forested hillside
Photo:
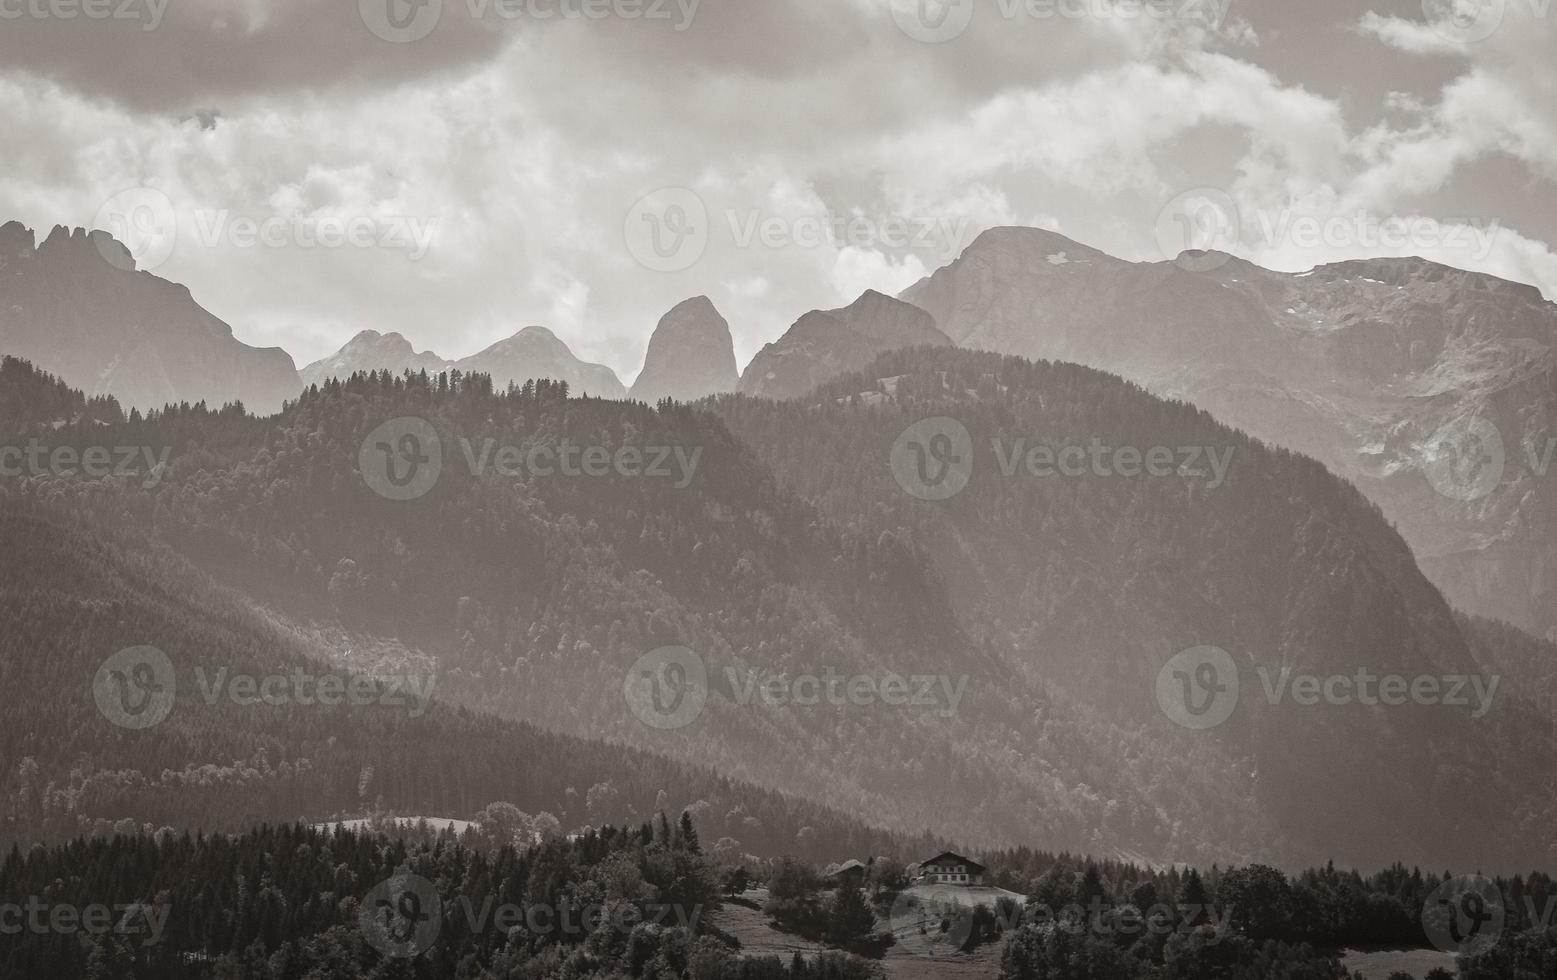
column 1088, row 584
column 215, row 764
column 780, row 551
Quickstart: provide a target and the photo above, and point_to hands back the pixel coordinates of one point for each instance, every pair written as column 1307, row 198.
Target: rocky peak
column 1033, row 242
column 824, row 344
column 370, row 350
column 535, row 352
column 691, row 355
column 71, row 310
column 887, row 320
column 16, row 241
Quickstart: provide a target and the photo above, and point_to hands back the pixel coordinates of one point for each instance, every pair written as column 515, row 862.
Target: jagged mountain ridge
column 75, row 305
column 531, row 354
column 1360, row 364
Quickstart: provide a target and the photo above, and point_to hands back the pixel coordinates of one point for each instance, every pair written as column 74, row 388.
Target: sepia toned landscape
column 850, row 490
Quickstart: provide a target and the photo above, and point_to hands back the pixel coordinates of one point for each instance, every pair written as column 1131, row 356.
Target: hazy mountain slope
column 535, row 596
column 86, row 592
column 370, row 350
column 75, row 306
column 534, row 353
column 529, row 355
column 691, row 355
column 1378, row 368
column 823, row 345
column 1091, row 583
column 1525, row 661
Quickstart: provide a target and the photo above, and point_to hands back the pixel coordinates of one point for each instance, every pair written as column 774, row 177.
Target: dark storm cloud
column 177, row 55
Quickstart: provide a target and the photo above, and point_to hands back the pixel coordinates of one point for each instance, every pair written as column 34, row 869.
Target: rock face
column 822, row 345
column 1431, row 388
column 691, row 355
column 536, row 352
column 372, row 351
column 76, row 307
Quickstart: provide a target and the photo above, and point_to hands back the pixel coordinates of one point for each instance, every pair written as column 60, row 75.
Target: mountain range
column 1399, row 374
column 792, row 546
column 1431, row 388
column 531, row 354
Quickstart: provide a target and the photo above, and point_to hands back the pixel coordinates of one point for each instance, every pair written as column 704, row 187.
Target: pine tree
column 689, row 834
column 850, row 917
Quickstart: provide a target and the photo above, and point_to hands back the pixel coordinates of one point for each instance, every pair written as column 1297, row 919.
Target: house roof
column 950, row 856
column 849, row 865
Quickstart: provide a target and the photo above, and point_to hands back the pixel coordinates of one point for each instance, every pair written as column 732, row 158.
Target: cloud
column 523, row 145
column 858, row 269
column 1413, row 37
column 159, row 55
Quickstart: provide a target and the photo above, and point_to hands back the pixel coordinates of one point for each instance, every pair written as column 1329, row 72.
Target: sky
column 456, row 170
